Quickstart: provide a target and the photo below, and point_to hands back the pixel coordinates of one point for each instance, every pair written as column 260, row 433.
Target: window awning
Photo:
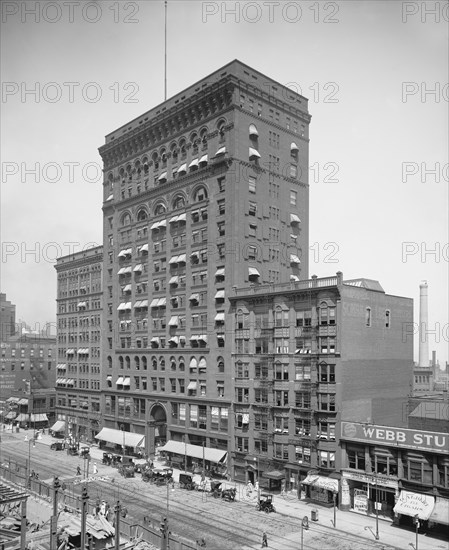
column 182, row 169
column 13, row 399
column 195, row 255
column 182, row 217
column 193, row 363
column 81, row 304
column 173, row 260
column 61, row 366
column 253, row 130
column 118, row 437
column 155, row 225
column 194, row 451
column 220, row 272
column 220, row 151
column 154, row 302
column 109, row 198
column 138, row 268
column 219, row 295
column 70, row 382
column 11, row 415
column 121, row 306
column 294, row 259
column 174, row 219
column 294, row 219
column 253, row 153
column 192, row 386
column 127, row 269
column 194, row 337
column 253, row 272
column 220, row 317
column 194, row 163
column 162, row 177
column 121, row 271
column 440, row 513
column 58, row 426
column 109, row 377
column 123, row 253
column 41, row 417
column 155, row 340
column 174, row 339
column 138, row 304
column 195, row 297
column 322, row 482
column 174, row 321
column 182, row 259
column 70, row 352
column 294, row 278
column 294, row 147
column 126, row 381
column 120, row 381
column 144, row 303
column 203, row 337
column 144, row 248
column 127, row 288
column 220, row 336
column 202, row 364
column 22, row 401
column 22, row 417
column 203, row 159
column 412, row 504
column 162, row 302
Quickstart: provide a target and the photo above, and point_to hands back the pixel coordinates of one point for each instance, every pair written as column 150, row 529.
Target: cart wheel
column 267, row 510
column 258, row 507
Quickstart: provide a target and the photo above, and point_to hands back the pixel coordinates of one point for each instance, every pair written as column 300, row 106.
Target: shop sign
column 361, row 502
column 397, row 437
column 382, row 480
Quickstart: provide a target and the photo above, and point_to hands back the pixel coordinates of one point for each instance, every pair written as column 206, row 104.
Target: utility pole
column 117, row 525
column 84, row 500
column 54, row 518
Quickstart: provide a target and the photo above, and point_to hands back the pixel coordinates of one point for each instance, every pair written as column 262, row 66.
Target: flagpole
column 165, row 54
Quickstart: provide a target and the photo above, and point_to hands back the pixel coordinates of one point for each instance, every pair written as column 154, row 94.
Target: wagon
column 72, row 450
column 85, row 452
column 57, row 446
column 127, row 470
column 162, row 475
column 107, row 459
column 186, row 482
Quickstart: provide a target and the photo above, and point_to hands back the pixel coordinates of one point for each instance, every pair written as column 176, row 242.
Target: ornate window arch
column 200, row 193
column 142, row 215
column 179, row 201
column 126, row 218
column 160, row 208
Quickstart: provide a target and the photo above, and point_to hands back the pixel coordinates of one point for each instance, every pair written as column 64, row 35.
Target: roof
column 369, row 284
column 99, row 527
column 431, row 410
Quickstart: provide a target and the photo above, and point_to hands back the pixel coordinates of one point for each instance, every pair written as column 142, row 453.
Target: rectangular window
column 293, row 198
column 252, row 209
column 252, row 184
column 387, row 318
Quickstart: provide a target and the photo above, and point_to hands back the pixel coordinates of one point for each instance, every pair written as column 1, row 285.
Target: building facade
column 204, row 193
column 395, row 472
column 7, row 318
column 305, row 356
column 79, row 325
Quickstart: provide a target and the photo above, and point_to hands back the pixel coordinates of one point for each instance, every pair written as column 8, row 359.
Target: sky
column 375, row 74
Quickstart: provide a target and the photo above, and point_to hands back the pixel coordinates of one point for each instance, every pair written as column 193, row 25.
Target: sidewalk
column 347, row 522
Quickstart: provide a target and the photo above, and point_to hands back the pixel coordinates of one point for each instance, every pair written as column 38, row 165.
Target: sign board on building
column 436, row 442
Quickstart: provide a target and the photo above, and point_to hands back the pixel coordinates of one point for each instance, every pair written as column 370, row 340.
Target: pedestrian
column 264, row 540
column 95, row 469
column 78, row 471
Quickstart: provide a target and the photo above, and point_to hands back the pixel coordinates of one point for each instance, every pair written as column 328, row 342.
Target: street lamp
column 122, row 427
column 256, row 460
column 304, row 525
column 416, row 522
column 334, row 499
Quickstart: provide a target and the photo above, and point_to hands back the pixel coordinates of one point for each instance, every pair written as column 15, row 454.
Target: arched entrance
column 157, row 428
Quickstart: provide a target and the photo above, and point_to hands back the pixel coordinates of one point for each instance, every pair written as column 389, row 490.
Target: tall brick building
column 206, row 192
column 79, row 324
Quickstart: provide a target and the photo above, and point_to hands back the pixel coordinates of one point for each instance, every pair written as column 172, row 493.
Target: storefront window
column 443, row 472
column 418, row 469
column 384, row 464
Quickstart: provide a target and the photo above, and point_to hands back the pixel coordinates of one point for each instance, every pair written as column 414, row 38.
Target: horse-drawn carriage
column 186, row 482
column 218, row 492
column 127, row 468
column 158, row 476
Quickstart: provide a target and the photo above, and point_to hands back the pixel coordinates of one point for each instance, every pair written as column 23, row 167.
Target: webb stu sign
column 436, row 442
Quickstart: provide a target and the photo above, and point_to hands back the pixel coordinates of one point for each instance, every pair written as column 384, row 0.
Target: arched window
column 203, row 137
column 173, row 362
column 127, row 362
column 182, row 148
column 142, row 215
column 163, row 157
column 120, row 362
column 159, row 209
column 144, row 363
column 109, row 362
column 126, row 219
column 368, row 317
column 174, row 150
column 129, row 171
column 220, row 364
column 181, row 364
column 194, row 141
column 162, row 362
column 154, row 363
column 155, row 159
column 200, row 194
column 179, row 202
column 145, row 164
column 137, row 166
column 137, row 362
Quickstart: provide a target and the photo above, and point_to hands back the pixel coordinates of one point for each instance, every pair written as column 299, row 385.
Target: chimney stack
column 423, row 324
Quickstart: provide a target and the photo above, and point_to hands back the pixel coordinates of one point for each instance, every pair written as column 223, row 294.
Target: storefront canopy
column 414, row 504
column 194, row 451
column 22, row 418
column 274, row 474
column 321, row 482
column 440, row 513
column 42, row 417
column 58, row 426
column 118, row 436
column 10, row 415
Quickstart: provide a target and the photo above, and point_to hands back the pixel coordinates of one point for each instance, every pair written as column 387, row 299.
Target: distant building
column 7, row 318
column 305, row 356
column 430, row 413
column 79, row 313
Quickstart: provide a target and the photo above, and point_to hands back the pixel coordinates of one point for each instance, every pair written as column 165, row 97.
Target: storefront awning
column 58, row 426
column 194, row 451
column 12, row 400
column 274, row 474
column 41, row 417
column 22, row 418
column 10, row 415
column 294, row 219
column 22, row 401
column 412, row 504
column 322, row 482
column 118, row 437
column 440, row 513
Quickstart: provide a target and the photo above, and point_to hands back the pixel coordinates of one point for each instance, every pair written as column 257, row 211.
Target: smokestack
column 423, row 324
column 434, row 358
